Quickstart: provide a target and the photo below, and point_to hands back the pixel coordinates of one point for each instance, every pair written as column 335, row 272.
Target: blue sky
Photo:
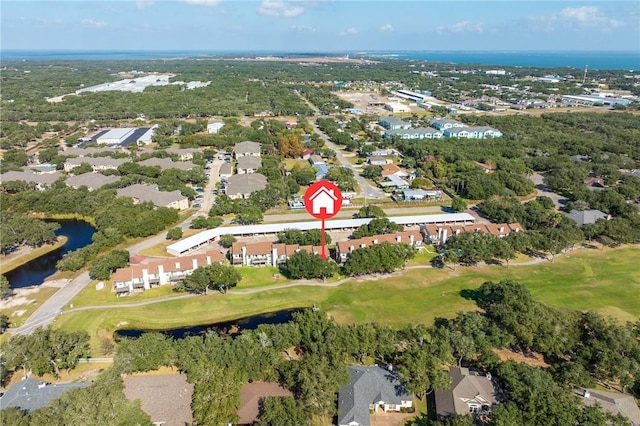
column 321, row 25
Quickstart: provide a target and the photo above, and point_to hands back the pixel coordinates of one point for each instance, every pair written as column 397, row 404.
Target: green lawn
column 606, row 281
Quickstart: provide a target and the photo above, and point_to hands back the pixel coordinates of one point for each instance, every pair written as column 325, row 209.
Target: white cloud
column 141, row 4
column 202, row 2
column 92, row 23
column 52, row 21
column 386, row 28
column 349, row 31
column 575, row 17
column 279, row 8
column 461, row 27
column 304, row 28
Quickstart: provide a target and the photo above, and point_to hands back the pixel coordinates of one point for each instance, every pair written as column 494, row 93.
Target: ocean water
column 555, row 59
column 543, row 59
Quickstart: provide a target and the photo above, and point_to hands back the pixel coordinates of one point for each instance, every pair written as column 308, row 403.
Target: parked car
column 197, row 205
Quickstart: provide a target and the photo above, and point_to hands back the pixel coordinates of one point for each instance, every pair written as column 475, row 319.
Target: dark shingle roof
column 31, row 394
column 368, row 385
column 583, row 217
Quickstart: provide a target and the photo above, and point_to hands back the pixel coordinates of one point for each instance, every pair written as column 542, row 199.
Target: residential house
column 393, row 181
column 321, row 170
column 161, row 272
column 184, row 154
column 470, row 393
column 414, row 133
column 370, row 389
column 142, row 193
column 394, row 123
column 248, row 164
column 97, row 163
column 266, row 253
column 480, row 132
column 614, row 403
column 420, row 194
column 345, row 248
column 167, row 163
column 31, row 394
column 226, row 171
column 41, row 181
column 306, row 153
column 378, row 161
column 85, row 152
column 391, row 169
column 242, row 186
column 247, row 149
column 584, row 217
column 316, row 159
column 214, row 127
column 91, row 180
column 445, row 123
column 595, row 183
column 487, row 168
column 291, row 124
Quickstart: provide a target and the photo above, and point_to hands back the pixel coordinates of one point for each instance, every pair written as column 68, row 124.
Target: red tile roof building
column 344, row 248
column 166, row 271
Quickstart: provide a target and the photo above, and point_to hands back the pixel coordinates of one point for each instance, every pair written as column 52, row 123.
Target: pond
column 228, row 328
column 34, row 272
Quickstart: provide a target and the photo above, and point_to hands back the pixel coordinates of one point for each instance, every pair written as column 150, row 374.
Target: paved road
column 543, row 190
column 368, row 191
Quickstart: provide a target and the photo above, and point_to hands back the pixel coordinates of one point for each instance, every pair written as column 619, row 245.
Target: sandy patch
column 55, row 283
column 534, row 359
column 18, row 313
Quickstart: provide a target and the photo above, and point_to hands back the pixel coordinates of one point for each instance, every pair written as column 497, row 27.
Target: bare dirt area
column 380, row 418
column 534, row 359
column 250, row 397
column 363, row 101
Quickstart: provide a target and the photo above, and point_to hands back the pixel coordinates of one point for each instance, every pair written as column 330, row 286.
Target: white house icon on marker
column 323, row 198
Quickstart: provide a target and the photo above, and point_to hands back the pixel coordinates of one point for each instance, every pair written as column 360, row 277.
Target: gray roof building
column 37, row 178
column 225, row 170
column 247, row 148
column 248, row 164
column 614, row 403
column 392, row 122
column 31, row 394
column 241, row 186
column 143, row 193
column 445, row 123
column 369, row 387
column 167, row 163
column 470, row 393
column 183, row 153
column 98, row 163
column 583, row 217
column 85, row 152
column 91, row 180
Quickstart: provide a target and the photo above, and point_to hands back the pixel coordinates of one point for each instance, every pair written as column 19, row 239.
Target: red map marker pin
column 323, row 200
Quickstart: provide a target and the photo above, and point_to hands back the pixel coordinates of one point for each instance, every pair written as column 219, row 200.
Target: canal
column 34, row 272
column 227, row 328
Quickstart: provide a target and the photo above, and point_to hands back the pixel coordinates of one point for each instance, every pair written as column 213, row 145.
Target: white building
column 115, row 136
column 214, row 127
column 396, row 107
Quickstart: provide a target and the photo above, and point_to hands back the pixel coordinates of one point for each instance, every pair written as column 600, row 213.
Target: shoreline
column 16, row 260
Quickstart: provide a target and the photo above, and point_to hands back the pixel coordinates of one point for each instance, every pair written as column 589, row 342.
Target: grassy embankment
column 11, row 262
column 606, row 281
